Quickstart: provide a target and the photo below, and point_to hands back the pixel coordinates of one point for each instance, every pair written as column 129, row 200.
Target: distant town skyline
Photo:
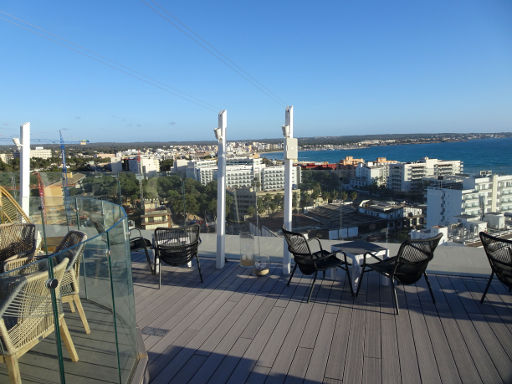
column 159, row 71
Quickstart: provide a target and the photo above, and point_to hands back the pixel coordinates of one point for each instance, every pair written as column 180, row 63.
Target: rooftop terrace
column 240, row 328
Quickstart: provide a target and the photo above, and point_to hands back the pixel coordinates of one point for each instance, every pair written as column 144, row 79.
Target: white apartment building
column 147, row 165
column 478, row 197
column 272, row 178
column 242, row 172
column 407, row 177
column 367, row 174
column 39, row 153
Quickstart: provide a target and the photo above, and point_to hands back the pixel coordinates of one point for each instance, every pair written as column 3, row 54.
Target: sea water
column 476, row 155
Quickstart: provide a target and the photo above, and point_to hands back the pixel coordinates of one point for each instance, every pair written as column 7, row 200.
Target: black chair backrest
column 71, row 247
column 299, row 247
column 17, row 239
column 177, row 246
column 413, row 258
column 499, row 253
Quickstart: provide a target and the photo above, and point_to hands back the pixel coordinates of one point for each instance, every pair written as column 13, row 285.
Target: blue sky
column 348, row 67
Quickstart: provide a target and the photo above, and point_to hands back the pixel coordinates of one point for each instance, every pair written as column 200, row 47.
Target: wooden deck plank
column 442, row 352
column 501, row 330
column 460, row 352
column 491, row 343
column 390, row 364
column 409, row 367
column 481, row 358
column 299, row 365
column 285, row 355
column 354, row 360
column 253, row 352
column 198, row 315
column 372, row 360
column 229, row 362
column 320, row 355
column 427, row 363
column 273, row 346
column 336, row 362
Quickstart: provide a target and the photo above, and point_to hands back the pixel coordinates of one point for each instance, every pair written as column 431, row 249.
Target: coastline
column 478, row 154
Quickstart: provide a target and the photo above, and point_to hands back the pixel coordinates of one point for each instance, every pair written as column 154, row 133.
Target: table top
column 357, row 247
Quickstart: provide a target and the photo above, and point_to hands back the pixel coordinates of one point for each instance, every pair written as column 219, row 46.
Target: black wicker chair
column 499, row 253
column 17, row 239
column 137, row 241
column 407, row 266
column 311, row 262
column 177, row 246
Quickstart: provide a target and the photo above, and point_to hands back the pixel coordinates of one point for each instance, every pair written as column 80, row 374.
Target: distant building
column 5, row 157
column 37, row 153
column 242, row 172
column 155, row 215
column 144, row 165
column 397, row 215
column 477, row 197
column 409, row 177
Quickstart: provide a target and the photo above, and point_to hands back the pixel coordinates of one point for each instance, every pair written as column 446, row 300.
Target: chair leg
column 81, row 313
column 148, row 260
column 293, row 271
column 13, row 369
column 395, row 298
column 72, row 307
column 312, row 285
column 347, row 270
column 360, row 281
column 68, row 342
column 160, row 276
column 199, row 269
column 487, row 288
column 429, row 287
column 323, row 275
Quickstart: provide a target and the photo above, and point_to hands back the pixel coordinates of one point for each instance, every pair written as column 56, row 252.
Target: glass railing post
column 43, row 226
column 77, row 214
column 109, row 260
column 51, row 284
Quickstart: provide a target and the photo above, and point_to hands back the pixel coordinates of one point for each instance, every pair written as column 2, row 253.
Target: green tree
column 166, row 165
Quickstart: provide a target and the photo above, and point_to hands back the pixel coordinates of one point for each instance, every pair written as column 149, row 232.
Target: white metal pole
column 221, row 189
column 25, row 168
column 288, row 164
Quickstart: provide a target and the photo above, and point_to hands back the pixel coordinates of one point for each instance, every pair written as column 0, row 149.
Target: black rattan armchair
column 407, row 266
column 17, row 239
column 499, row 253
column 311, row 262
column 177, row 246
column 137, row 241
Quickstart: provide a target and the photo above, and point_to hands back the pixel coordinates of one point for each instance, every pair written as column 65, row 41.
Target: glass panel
column 27, row 316
column 120, row 264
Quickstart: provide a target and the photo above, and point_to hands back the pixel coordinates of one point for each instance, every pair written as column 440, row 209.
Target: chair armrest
column 372, row 255
column 17, row 262
column 318, row 240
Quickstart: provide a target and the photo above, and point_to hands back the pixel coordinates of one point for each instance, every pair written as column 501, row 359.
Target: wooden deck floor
column 238, row 328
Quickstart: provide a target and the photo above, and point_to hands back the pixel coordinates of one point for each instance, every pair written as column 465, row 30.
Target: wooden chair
column 17, row 240
column 71, row 247
column 499, row 254
column 177, row 246
column 311, row 262
column 27, row 315
column 407, row 267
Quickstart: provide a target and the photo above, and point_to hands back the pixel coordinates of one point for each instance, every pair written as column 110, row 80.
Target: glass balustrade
column 93, row 335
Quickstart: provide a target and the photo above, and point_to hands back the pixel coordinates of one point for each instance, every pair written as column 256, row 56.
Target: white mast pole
column 220, row 134
column 288, row 164
column 25, row 168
